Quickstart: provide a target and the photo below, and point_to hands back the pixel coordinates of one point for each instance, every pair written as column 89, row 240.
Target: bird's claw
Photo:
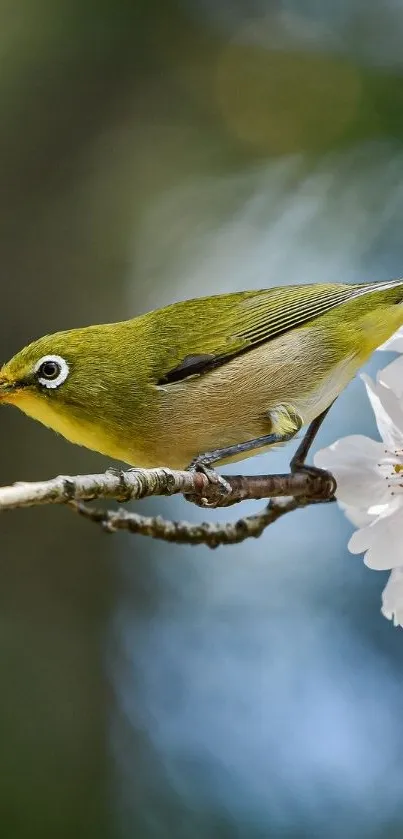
column 323, row 474
column 222, row 487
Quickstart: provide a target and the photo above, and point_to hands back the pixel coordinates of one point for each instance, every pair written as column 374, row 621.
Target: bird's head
column 69, row 381
column 38, row 371
column 62, row 368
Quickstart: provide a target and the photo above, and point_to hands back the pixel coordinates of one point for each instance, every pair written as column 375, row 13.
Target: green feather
column 221, row 327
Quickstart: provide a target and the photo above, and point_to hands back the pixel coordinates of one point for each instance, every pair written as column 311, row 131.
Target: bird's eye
column 49, row 369
column 52, row 371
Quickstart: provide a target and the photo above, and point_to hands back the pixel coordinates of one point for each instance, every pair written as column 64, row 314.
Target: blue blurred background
column 152, row 150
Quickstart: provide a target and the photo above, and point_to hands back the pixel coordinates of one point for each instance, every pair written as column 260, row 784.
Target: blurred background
column 152, row 150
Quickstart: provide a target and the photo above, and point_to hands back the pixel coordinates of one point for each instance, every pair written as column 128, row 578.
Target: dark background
column 150, row 151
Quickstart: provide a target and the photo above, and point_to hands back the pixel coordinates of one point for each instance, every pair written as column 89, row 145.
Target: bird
column 204, row 381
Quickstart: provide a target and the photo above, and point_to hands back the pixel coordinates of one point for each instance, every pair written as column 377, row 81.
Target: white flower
column 369, row 478
column 392, row 597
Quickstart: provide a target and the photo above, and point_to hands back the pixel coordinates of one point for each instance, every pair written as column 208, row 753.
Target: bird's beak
column 7, row 387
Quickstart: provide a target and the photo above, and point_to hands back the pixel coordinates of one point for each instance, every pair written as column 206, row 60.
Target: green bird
column 212, row 379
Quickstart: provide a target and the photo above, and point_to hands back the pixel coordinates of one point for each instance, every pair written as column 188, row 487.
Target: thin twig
column 291, row 490
column 211, row 534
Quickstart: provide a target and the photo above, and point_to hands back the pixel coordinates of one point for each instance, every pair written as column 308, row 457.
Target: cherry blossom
column 369, row 476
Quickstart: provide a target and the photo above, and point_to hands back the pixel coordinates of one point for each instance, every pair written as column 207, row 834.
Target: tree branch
column 292, row 490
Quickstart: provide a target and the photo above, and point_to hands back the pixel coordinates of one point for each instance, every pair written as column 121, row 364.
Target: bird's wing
column 223, row 327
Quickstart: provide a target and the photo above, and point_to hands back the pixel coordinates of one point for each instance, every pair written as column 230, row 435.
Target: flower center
column 391, row 469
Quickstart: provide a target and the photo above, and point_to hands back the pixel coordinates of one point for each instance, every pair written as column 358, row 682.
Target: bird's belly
column 312, row 404
column 240, row 401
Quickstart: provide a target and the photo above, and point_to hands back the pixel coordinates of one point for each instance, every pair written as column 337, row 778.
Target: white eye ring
column 59, row 377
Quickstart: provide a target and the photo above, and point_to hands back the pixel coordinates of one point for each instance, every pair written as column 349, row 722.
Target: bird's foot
column 219, row 488
column 323, row 474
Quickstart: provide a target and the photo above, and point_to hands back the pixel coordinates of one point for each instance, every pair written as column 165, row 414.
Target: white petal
column 356, row 515
column 382, row 540
column 395, row 343
column 388, row 413
column 354, row 463
column 392, row 597
column 379, row 509
column 392, row 376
